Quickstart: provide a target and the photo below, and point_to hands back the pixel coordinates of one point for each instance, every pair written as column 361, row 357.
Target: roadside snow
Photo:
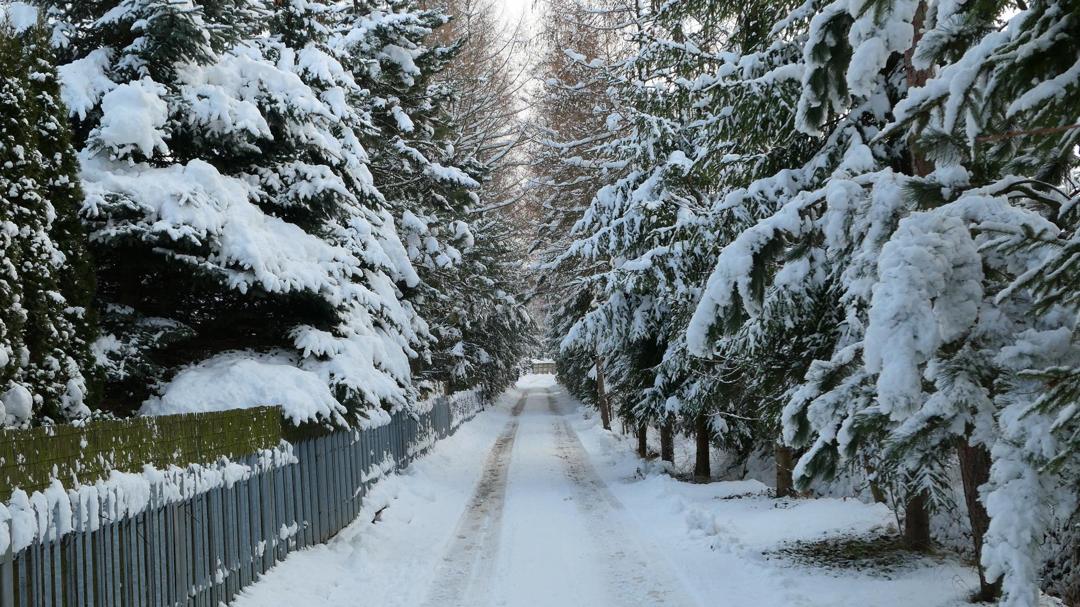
column 717, row 535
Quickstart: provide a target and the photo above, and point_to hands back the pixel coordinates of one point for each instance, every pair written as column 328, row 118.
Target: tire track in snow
column 464, row 575
column 633, row 577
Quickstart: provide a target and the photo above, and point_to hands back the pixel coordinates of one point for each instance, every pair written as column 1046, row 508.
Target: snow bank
column 241, row 380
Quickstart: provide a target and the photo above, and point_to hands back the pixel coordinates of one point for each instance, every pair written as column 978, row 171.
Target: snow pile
column 16, row 406
column 241, row 380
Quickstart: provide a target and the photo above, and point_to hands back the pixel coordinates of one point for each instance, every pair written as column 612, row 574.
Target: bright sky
column 514, row 9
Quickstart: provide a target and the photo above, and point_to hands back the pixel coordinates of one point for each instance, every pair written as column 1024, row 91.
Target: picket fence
column 202, row 550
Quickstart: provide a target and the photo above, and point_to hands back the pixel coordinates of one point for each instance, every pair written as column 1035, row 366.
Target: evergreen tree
column 883, row 197
column 18, row 188
column 570, row 130
column 276, row 182
column 789, row 280
column 432, row 189
column 929, row 355
column 48, row 370
column 230, row 175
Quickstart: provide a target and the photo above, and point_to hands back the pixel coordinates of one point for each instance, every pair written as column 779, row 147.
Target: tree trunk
column 643, row 441
column 877, row 493
column 601, row 395
column 917, row 516
column 667, row 441
column 701, row 436
column 975, row 472
column 875, row 489
column 917, row 523
column 920, row 166
column 785, row 484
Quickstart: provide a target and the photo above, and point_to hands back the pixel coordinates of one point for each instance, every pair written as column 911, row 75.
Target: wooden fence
column 192, row 545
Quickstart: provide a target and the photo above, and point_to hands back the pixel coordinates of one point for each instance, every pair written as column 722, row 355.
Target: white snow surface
column 578, row 519
column 133, row 118
column 19, row 16
column 241, row 380
column 16, row 405
column 83, row 82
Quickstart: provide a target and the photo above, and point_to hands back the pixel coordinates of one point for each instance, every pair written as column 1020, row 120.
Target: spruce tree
column 432, row 191
column 935, row 341
column 230, row 200
column 883, row 197
column 264, row 181
column 568, row 165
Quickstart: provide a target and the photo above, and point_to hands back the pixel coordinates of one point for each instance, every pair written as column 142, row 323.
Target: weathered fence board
column 201, row 551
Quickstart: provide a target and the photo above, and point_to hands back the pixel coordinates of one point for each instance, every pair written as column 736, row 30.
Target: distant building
column 543, row 366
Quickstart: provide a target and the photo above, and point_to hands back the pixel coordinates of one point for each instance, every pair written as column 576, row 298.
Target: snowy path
column 469, row 561
column 550, row 532
column 530, row 505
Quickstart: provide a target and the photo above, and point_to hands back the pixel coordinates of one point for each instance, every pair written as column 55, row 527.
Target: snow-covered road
column 531, row 505
column 543, row 529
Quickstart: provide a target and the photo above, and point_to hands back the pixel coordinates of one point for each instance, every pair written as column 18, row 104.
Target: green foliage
column 48, row 322
column 30, row 459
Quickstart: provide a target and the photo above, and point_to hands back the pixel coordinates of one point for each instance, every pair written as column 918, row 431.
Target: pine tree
column 620, row 326
column 1017, row 97
column 883, row 195
column 840, row 92
column 570, row 129
column 275, row 182
column 16, row 185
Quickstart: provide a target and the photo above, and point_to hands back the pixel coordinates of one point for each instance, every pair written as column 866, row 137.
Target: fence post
column 7, row 571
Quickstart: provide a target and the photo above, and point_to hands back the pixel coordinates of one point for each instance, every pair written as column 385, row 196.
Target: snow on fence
column 196, row 536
